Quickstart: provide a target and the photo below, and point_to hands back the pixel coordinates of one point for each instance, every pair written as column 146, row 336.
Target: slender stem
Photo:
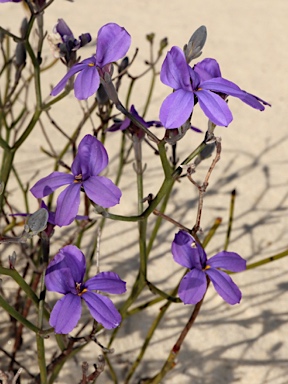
column 12, row 312
column 170, row 362
column 231, row 216
column 267, row 260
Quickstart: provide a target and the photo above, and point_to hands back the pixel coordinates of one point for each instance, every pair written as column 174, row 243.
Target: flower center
column 91, row 65
column 78, row 178
column 79, row 289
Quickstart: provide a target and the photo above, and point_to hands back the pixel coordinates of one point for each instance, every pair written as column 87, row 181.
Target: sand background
column 246, row 343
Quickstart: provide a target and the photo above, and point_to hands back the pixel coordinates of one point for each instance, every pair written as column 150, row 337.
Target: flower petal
column 113, row 43
column 63, row 30
column 224, row 286
column 175, row 70
column 87, row 82
column 50, row 183
column 61, row 85
column 66, row 314
column 91, row 158
column 229, row 88
column 67, row 205
column 67, row 268
column 192, row 287
column 228, row 260
column 102, row 191
column 214, row 107
column 207, row 69
column 176, row 108
column 186, row 253
column 102, row 309
column 108, row 282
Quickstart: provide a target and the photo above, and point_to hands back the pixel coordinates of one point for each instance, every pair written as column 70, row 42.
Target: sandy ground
column 246, row 343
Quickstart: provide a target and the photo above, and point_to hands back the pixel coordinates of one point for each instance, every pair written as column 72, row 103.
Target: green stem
column 21, row 283
column 12, row 312
column 267, row 260
column 231, row 215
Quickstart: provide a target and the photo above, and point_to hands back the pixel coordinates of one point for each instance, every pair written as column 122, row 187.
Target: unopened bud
column 123, row 65
column 37, row 222
column 12, row 260
column 150, row 37
column 20, row 55
column 163, row 45
column 197, row 41
column 101, row 95
column 24, row 28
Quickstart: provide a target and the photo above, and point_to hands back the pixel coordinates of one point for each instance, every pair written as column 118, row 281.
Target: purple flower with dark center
column 203, row 84
column 113, row 42
column 128, row 124
column 65, row 275
column 64, row 43
column 90, row 160
column 190, row 254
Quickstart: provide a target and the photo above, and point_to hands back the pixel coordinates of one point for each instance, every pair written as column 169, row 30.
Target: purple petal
column 137, row 116
column 175, row 70
column 192, row 287
column 50, row 183
column 67, row 205
column 66, row 314
column 214, row 107
column 229, row 88
column 63, row 29
column 108, row 282
column 102, row 309
column 113, row 43
column 176, row 108
column 61, row 85
column 207, row 69
column 87, row 82
column 224, row 286
column 91, row 158
column 186, row 253
column 102, row 191
column 59, row 279
column 67, row 268
column 228, row 260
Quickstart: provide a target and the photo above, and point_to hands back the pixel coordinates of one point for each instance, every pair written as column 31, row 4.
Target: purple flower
column 65, row 275
column 190, row 254
column 113, row 42
column 64, row 43
column 202, row 84
column 127, row 123
column 90, row 160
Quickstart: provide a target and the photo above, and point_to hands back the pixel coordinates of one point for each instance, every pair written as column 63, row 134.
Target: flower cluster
column 188, row 253
column 65, row 275
column 64, row 44
column 113, row 42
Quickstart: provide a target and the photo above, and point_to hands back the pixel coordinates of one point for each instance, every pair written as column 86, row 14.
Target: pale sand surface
column 246, row 343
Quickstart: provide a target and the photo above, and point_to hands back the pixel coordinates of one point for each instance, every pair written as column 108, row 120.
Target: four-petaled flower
column 90, row 160
column 65, row 275
column 113, row 42
column 191, row 85
column 64, row 44
column 190, row 254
